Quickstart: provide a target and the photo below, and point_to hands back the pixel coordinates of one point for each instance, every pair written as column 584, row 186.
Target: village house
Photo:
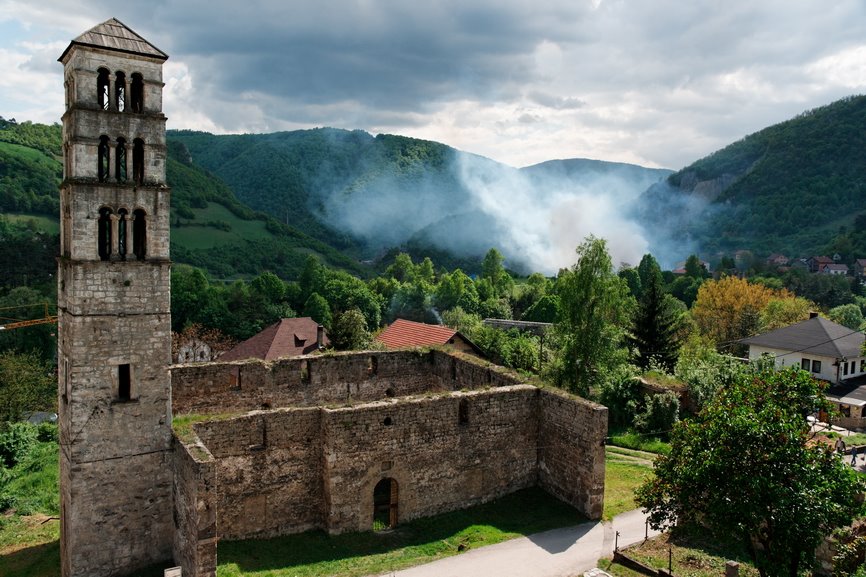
column 284, row 338
column 405, row 334
column 830, row 351
column 818, row 263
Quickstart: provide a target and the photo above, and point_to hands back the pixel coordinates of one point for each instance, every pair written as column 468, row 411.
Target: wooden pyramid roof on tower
column 115, row 35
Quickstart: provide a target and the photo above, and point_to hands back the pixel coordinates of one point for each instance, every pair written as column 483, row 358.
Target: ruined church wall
column 571, row 450
column 268, row 468
column 439, row 462
column 300, row 381
column 195, row 510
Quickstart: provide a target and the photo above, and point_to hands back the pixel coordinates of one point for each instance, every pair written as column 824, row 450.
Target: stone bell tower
column 114, row 317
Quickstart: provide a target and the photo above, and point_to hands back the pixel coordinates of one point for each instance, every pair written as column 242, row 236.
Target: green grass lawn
column 625, row 470
column 420, row 541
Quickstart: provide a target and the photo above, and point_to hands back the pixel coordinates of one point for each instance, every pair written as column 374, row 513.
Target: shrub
column 15, row 442
column 46, row 432
column 662, row 411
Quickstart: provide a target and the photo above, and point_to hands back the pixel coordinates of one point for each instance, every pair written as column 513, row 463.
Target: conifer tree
column 656, row 324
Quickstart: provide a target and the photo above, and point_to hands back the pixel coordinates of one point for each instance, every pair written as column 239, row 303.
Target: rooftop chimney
column 320, row 337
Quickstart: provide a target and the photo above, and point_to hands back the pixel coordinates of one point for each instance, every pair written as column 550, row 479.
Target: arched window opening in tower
column 123, row 231
column 120, row 91
column 139, row 234
column 103, row 233
column 102, row 88
column 138, row 161
column 104, row 158
column 137, row 93
column 120, row 160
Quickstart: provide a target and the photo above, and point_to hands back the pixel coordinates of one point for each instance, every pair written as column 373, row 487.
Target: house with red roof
column 405, row 334
column 284, row 338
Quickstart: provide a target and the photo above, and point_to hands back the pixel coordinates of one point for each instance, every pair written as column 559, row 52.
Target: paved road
column 557, row 553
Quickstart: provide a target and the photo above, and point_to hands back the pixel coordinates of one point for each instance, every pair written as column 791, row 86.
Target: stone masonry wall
column 571, row 453
column 440, row 463
column 268, row 472
column 121, row 519
column 195, row 510
column 326, row 379
column 479, row 435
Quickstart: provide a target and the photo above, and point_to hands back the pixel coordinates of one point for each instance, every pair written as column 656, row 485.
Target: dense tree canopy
column 746, row 466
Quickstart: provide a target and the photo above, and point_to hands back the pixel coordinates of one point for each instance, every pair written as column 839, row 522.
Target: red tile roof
column 285, row 338
column 403, row 333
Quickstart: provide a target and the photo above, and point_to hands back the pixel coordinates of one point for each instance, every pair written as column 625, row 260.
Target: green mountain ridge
column 794, row 188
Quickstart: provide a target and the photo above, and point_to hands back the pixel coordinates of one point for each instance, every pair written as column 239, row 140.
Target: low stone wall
column 571, row 452
column 195, row 510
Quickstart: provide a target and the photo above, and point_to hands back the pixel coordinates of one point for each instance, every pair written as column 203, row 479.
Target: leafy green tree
column 465, row 322
column 595, row 307
column 27, row 383
column 848, row 315
column 705, row 370
column 349, row 331
column 492, row 270
column 545, row 310
column 456, row 289
column 656, row 324
column 344, row 292
column 494, row 308
column 402, row 269
column 269, row 286
column 318, row 309
column 746, row 467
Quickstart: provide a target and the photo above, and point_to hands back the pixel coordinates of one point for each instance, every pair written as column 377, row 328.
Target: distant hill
column 790, row 188
column 366, row 195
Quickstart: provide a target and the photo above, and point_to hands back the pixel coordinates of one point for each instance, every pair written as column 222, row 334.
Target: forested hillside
column 791, row 188
column 210, row 227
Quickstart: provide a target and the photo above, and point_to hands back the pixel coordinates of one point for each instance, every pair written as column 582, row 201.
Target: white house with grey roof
column 830, row 351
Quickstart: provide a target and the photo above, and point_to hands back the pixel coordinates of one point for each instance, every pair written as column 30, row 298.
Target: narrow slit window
column 120, row 160
column 120, row 91
column 124, row 382
column 137, row 96
column 138, row 161
column 104, row 159
column 102, row 88
column 463, row 412
column 139, row 234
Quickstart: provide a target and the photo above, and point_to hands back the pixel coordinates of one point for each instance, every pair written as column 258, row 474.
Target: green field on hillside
column 197, row 234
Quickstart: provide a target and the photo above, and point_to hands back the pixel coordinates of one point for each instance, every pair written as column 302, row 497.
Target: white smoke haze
column 545, row 219
column 535, row 216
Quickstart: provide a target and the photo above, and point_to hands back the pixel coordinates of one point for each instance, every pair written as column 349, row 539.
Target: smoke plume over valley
column 535, row 216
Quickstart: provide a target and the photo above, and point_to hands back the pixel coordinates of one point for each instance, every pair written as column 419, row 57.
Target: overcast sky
column 659, row 83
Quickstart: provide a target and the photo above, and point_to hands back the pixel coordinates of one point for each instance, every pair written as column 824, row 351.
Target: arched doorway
column 385, row 504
